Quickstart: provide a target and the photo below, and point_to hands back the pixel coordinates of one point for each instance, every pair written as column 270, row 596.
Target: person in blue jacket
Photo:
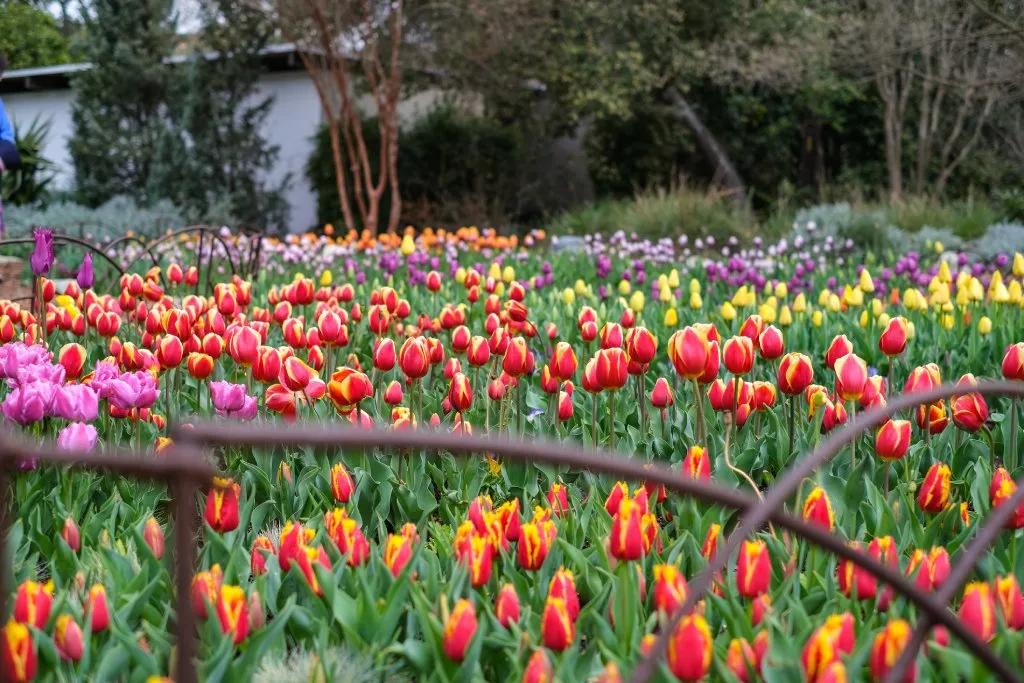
column 9, row 158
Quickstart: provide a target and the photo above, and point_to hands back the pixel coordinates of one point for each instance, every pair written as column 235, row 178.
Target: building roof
column 279, row 57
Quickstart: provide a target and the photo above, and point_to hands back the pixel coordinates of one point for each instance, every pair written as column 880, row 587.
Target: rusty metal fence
column 187, row 469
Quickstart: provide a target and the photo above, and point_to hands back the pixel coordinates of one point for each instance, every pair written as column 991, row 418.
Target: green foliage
column 107, row 221
column 454, row 168
column 968, row 219
column 659, row 213
column 119, row 110
column 213, row 151
column 30, row 36
column 29, row 184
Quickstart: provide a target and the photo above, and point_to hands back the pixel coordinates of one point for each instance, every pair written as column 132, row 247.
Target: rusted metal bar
column 184, row 551
column 608, row 462
column 780, row 492
column 994, row 524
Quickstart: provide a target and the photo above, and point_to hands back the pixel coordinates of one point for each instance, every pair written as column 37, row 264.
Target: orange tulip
column 932, row 417
column 200, row 365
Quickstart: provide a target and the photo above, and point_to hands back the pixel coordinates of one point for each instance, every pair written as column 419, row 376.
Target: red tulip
column 874, row 393
column 696, row 464
column 538, row 669
column 154, row 537
column 200, row 365
column 414, row 358
column 710, row 546
column 71, row 535
column 565, row 409
column 205, row 588
column 222, row 505
column 934, row 494
column 1013, row 361
column 72, row 357
column 506, row 606
column 610, row 368
column 342, row 485
column 96, row 602
column 307, row 558
column 533, row 546
column 669, row 588
column 563, row 586
column 893, row 340
column 690, row 649
column 1011, row 601
column 923, row 378
column 738, row 355
column 19, row 653
column 753, row 569
column 970, row 412
column 929, row 570
column 460, row 393
column 740, row 659
column 840, row 346
column 243, row 346
column 384, row 354
column 689, row 350
column 557, row 628
column 851, row 376
column 459, row 630
column 33, row 602
column 626, row 540
column 892, row 440
column 233, row 613
column 262, row 548
column 68, row 637
column 771, row 343
column 887, row 648
column 661, row 396
column 479, row 352
column 477, row 555
column 509, row 519
column 818, row 509
column 641, row 346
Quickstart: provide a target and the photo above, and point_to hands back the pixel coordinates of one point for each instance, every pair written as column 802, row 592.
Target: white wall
column 52, row 105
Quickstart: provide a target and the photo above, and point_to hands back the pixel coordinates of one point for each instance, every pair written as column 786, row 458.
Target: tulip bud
column 68, row 637
column 96, row 602
column 738, row 355
column 506, row 606
column 154, row 537
column 233, row 613
column 690, row 649
column 840, row 346
column 934, row 494
column 558, row 499
column 33, row 602
column 563, row 586
column 558, row 631
column 970, row 412
column 887, row 649
column 626, row 541
column 740, row 659
column 71, row 535
column 262, row 548
column 1013, row 362
column 818, row 509
column 669, row 588
column 696, row 464
column 459, row 630
column 533, row 546
column 1011, row 601
column 771, row 343
column 753, row 569
column 342, row 485
column 222, row 505
column 538, row 669
column 661, row 396
column 19, row 653
column 892, row 440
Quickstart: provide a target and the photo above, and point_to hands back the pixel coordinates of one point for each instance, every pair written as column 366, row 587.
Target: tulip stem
column 593, row 422
column 853, row 442
column 1013, row 437
column 991, row 447
column 885, row 486
column 611, row 418
column 698, row 400
column 663, row 412
column 792, row 420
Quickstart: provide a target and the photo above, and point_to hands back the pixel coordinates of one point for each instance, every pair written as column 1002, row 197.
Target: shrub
column 660, row 213
column 104, row 223
column 1001, row 238
column 454, row 168
column 29, row 183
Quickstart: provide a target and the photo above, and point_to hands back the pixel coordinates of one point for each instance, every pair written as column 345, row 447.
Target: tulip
column 233, row 613
column 347, row 388
column 840, row 346
column 477, row 554
column 893, row 340
column 243, row 346
column 293, row 540
column 620, row 490
column 459, row 630
column 205, row 588
column 874, row 393
column 818, row 509
column 42, row 255
column 506, row 606
column 96, row 603
column 689, row 350
column 669, row 588
column 558, row 499
column 563, row 586
column 563, row 362
column 851, row 376
column 970, row 412
column 610, row 368
column 696, row 464
column 557, row 628
column 222, row 505
column 738, row 355
column 1013, row 362
column 710, row 546
column 538, row 669
column 32, row 603
column 740, row 659
column 565, row 409
column 68, row 637
column 72, row 357
column 460, row 393
column 153, row 535
column 1011, row 601
column 342, row 485
column 200, row 365
column 533, row 546
column 887, row 648
column 641, row 346
column 626, row 539
column 414, row 358
column 71, row 535
column 661, row 396
column 771, row 343
column 308, row 557
column 923, row 378
column 77, row 437
column 509, row 520
column 826, row 645
column 19, row 653
column 690, row 649
column 934, row 494
column 753, row 569
column 892, row 440
column 262, row 548
column 932, row 418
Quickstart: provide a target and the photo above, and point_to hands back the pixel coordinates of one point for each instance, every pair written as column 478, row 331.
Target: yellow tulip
column 985, row 324
column 460, row 275
column 673, row 278
column 568, row 297
column 833, row 303
column 408, row 245
column 781, row 290
column 662, row 281
column 728, row 311
column 864, row 318
column 1000, row 294
column 824, row 296
column 963, row 297
column 883, row 320
column 694, row 285
column 494, row 271
column 947, row 321
column 800, row 303
column 910, row 298
column 499, row 289
column 665, row 294
column 939, row 248
column 581, row 287
column 1018, row 264
column 976, row 289
column 508, row 274
column 911, row 330
column 817, row 318
column 866, row 283
column 326, row 279
column 636, row 302
column 740, row 297
column 695, row 301
column 877, row 307
column 671, row 318
column 785, row 317
column 768, row 313
column 624, row 287
column 767, row 289
column 944, row 274
column 1015, row 292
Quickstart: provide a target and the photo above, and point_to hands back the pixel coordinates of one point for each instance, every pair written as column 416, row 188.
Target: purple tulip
column 227, row 397
column 77, row 437
column 85, row 275
column 133, row 390
column 28, row 403
column 75, row 402
column 16, row 355
column 247, row 411
column 42, row 256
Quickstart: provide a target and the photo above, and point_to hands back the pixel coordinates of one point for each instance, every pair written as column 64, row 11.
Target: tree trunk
column 893, row 152
column 725, row 172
